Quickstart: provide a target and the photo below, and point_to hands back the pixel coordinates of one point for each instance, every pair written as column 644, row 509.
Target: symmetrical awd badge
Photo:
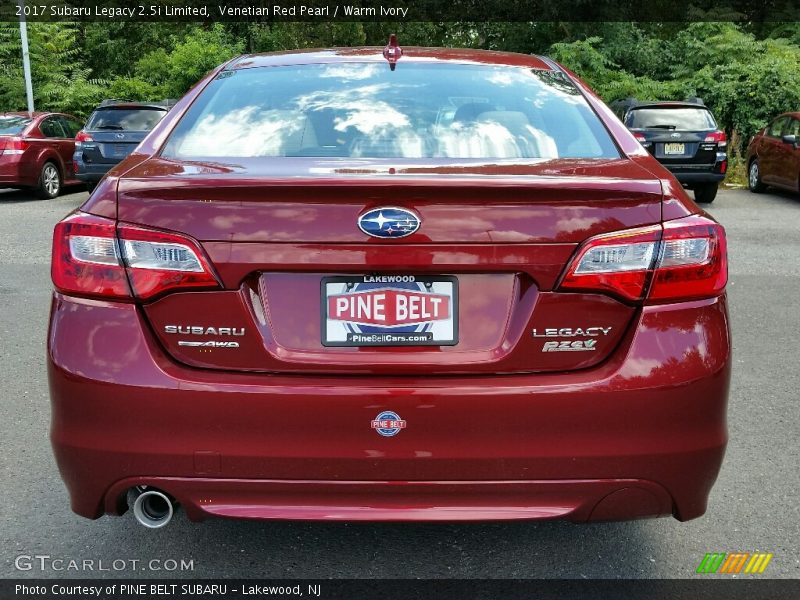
column 388, row 222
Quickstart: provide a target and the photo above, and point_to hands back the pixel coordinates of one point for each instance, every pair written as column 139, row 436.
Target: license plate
column 390, row 310
column 120, row 150
column 674, row 148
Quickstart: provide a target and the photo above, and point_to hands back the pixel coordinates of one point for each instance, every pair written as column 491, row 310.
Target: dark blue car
column 112, row 132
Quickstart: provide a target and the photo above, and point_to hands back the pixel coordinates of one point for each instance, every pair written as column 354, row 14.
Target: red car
column 421, row 285
column 36, row 151
column 773, row 155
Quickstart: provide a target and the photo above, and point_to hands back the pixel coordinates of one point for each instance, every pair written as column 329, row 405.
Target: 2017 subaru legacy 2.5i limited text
column 345, row 284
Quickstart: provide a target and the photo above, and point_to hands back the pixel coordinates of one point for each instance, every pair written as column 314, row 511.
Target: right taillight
column 717, row 137
column 93, row 256
column 693, row 261
column 682, row 260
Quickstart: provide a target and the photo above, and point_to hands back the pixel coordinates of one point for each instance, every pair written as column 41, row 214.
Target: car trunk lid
column 116, row 130
column 681, row 147
column 502, row 234
column 111, row 146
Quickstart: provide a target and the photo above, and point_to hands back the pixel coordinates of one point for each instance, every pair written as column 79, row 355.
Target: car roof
column 369, row 54
column 132, row 105
column 669, row 105
column 33, row 115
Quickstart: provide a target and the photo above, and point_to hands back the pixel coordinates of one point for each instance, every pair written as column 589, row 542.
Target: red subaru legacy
column 404, row 285
column 36, row 151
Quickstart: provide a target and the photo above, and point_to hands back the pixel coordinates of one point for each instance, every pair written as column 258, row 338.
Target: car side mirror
column 789, row 139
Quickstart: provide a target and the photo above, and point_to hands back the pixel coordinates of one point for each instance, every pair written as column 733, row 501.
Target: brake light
column 693, row 262
column 682, row 260
column 15, row 145
column 86, row 258
column 92, row 256
column 641, row 139
column 617, row 263
column 82, row 137
column 718, row 137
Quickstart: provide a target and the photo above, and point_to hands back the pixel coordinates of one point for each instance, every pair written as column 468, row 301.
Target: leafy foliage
column 173, row 73
column 746, row 74
column 744, row 80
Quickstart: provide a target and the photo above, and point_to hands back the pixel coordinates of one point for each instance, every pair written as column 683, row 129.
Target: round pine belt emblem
column 388, row 423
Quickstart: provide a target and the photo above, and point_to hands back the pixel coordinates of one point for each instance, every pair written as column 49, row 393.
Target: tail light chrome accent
column 93, row 256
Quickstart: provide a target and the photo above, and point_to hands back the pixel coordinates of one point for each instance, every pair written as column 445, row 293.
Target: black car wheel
column 706, row 192
column 49, row 182
column 754, row 178
column 90, row 185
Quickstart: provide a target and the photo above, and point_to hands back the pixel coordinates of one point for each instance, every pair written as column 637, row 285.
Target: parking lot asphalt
column 753, row 507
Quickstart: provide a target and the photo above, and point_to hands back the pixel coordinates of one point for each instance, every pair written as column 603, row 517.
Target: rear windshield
column 677, row 119
column 12, row 125
column 366, row 110
column 127, row 119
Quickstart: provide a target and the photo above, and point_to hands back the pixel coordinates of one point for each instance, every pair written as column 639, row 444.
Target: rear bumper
column 577, row 500
column 698, row 177
column 12, row 171
column 641, row 435
column 90, row 173
column 698, row 173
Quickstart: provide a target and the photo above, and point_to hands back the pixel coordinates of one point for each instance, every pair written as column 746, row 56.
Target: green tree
column 173, row 73
column 12, row 85
column 60, row 80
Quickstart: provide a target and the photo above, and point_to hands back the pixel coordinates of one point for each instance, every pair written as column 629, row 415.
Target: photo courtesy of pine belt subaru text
column 400, row 284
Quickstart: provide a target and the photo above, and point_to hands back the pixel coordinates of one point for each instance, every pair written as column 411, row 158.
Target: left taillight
column 86, row 259
column 15, row 145
column 82, row 137
column 159, row 261
column 684, row 259
column 95, row 257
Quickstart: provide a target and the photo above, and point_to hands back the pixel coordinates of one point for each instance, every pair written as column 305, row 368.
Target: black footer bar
column 702, row 588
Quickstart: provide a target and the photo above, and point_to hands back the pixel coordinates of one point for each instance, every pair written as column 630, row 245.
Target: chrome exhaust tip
column 153, row 509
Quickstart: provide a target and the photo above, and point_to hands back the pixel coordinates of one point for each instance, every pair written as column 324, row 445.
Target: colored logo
column 388, row 423
column 734, row 562
column 388, row 222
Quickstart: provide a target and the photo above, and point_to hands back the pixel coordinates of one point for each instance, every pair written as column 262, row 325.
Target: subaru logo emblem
column 388, row 423
column 675, row 135
column 120, row 136
column 388, row 222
